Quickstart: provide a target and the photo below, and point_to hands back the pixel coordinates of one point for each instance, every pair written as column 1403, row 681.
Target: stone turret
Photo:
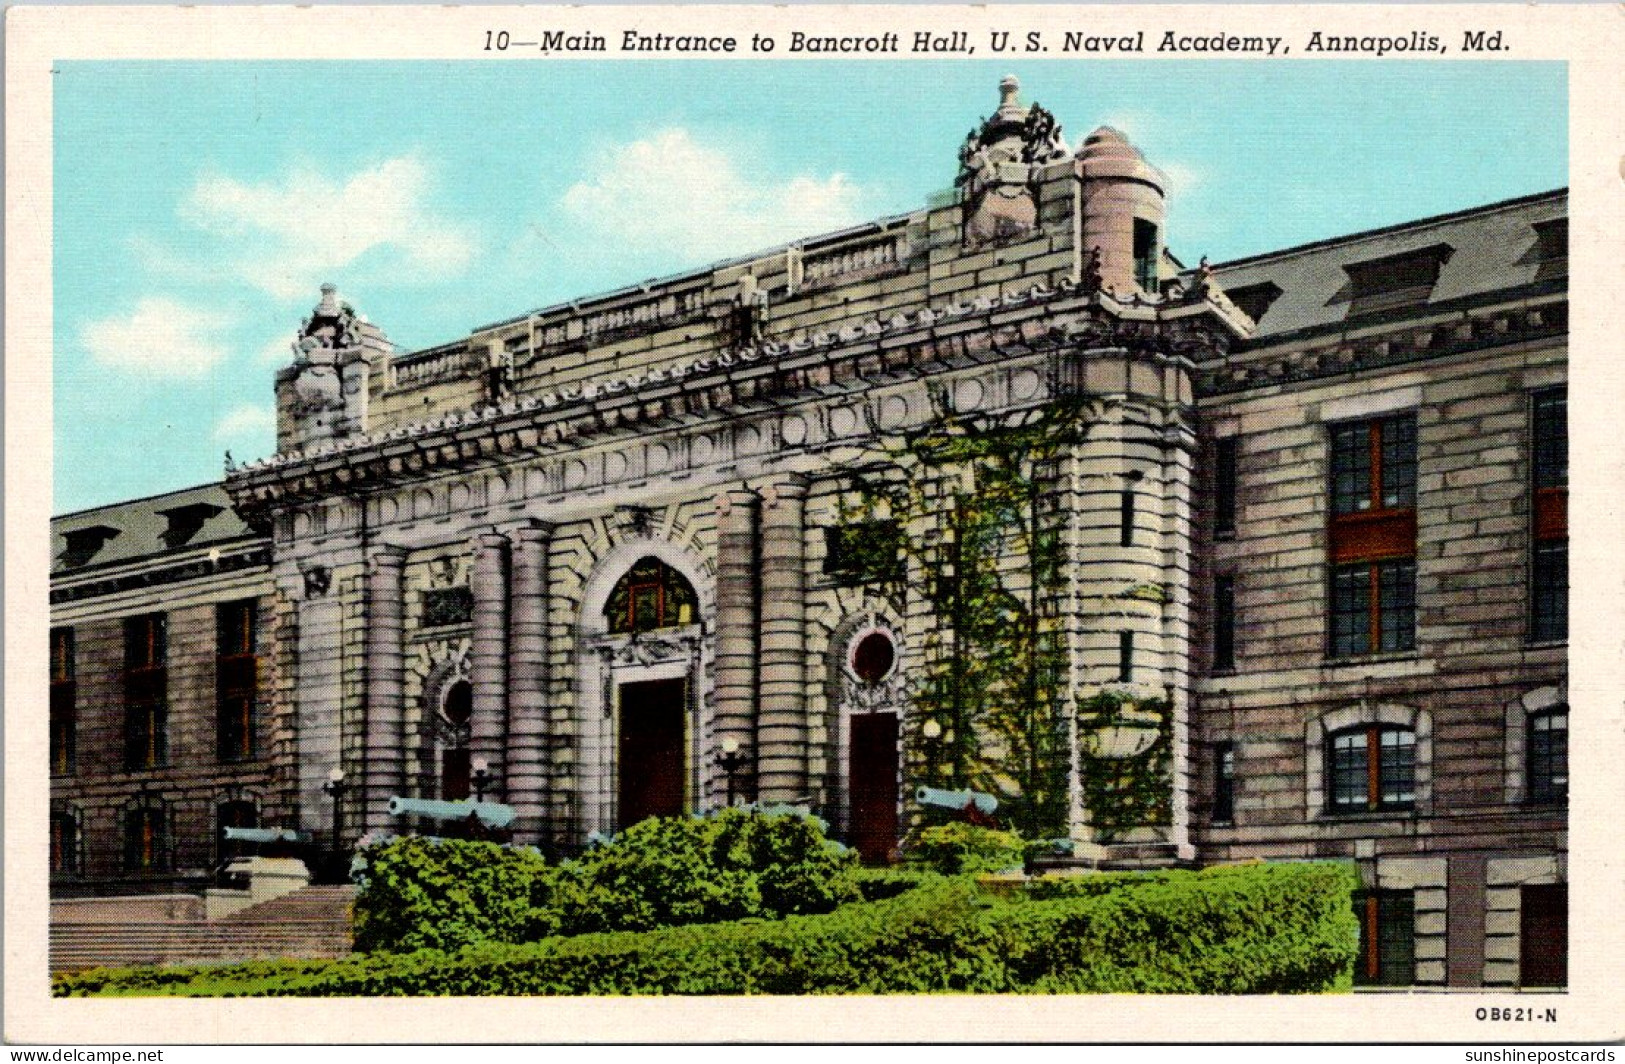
column 1123, row 212
column 322, row 396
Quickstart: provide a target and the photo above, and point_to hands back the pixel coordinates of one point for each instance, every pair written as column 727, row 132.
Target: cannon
column 489, row 815
column 265, row 836
column 957, row 801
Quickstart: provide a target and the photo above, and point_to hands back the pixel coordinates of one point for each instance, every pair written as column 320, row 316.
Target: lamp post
column 336, row 788
column 731, row 760
column 481, row 778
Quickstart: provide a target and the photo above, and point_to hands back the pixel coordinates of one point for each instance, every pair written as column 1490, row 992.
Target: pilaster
column 384, row 770
column 781, row 724
column 527, row 768
column 737, row 615
column 489, row 658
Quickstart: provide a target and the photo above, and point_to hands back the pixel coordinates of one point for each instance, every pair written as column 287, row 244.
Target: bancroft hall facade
column 1182, row 563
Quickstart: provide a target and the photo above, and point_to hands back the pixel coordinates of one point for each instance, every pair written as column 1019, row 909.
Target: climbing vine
column 982, row 545
column 1123, row 793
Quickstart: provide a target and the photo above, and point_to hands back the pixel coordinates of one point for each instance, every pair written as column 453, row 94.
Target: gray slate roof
column 142, row 527
column 1494, row 249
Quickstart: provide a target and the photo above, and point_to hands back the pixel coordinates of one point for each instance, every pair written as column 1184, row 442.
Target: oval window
column 459, row 704
column 873, row 657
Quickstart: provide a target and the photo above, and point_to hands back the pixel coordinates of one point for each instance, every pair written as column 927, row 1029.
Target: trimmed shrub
column 1232, row 930
column 427, row 893
column 953, row 849
column 687, row 870
column 877, row 884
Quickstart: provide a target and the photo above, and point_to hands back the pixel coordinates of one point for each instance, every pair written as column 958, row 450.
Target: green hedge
column 446, row 894
column 956, row 848
column 1233, row 930
column 425, row 893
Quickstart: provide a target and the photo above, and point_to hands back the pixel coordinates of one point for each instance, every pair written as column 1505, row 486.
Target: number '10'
column 500, row 38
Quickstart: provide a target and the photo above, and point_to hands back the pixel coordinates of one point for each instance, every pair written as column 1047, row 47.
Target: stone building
column 1182, row 563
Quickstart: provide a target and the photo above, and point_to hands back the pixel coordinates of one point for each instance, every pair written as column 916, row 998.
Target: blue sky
column 198, row 205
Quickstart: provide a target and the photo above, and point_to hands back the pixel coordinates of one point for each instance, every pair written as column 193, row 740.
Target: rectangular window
column 1145, row 257
column 1387, row 954
column 146, row 694
column 1224, row 623
column 864, row 552
column 1403, row 280
column 1126, row 517
column 236, row 678
column 64, row 702
column 1370, row 769
column 1549, row 564
column 1224, row 485
column 1548, row 741
column 64, row 844
column 447, row 605
column 1224, row 783
column 145, row 846
column 1125, row 657
column 1372, row 537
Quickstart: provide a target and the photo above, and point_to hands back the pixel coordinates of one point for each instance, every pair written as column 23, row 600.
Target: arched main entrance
column 642, row 662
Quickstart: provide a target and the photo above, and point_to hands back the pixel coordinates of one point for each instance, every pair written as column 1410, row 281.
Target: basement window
column 1403, row 280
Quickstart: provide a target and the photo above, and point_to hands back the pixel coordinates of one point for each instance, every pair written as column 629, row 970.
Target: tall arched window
column 651, row 595
column 1548, row 751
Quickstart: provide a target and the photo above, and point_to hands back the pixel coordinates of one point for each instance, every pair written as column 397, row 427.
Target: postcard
column 746, row 523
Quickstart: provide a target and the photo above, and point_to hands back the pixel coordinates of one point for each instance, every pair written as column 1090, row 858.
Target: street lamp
column 336, row 788
column 732, row 760
column 481, row 778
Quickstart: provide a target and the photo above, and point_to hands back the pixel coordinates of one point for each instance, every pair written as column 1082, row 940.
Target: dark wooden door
column 454, row 774
column 872, row 757
column 1543, row 934
column 651, row 765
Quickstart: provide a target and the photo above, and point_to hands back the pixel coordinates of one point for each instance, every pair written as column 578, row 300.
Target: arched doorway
column 652, row 711
column 871, row 708
column 456, row 709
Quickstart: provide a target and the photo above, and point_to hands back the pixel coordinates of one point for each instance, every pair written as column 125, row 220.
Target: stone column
column 489, row 657
column 526, row 783
column 384, row 769
column 736, row 647
column 781, row 723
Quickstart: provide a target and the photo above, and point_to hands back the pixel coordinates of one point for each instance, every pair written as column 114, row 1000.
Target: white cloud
column 245, row 422
column 161, row 338
column 278, row 352
column 1181, row 177
column 286, row 236
column 672, row 193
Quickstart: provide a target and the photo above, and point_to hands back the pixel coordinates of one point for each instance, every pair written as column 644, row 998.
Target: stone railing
column 621, row 319
column 871, row 257
column 426, row 367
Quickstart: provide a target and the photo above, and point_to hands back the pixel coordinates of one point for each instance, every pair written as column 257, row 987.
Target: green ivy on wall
column 1126, row 793
column 982, row 545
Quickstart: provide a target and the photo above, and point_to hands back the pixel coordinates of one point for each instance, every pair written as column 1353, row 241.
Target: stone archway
column 642, row 709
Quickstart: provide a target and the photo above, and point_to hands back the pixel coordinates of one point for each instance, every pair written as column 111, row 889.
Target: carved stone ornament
column 318, row 578
column 332, row 327
column 646, row 650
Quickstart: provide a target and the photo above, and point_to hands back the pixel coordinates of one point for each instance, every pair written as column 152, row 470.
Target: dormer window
column 186, row 522
column 1403, row 280
column 1552, row 248
column 1255, row 300
column 84, row 543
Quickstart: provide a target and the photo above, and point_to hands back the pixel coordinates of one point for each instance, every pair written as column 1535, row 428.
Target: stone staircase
column 311, row 922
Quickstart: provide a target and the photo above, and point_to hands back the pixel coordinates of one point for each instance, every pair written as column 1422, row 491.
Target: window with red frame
column 1372, row 537
column 1549, row 563
column 236, row 679
column 64, row 702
